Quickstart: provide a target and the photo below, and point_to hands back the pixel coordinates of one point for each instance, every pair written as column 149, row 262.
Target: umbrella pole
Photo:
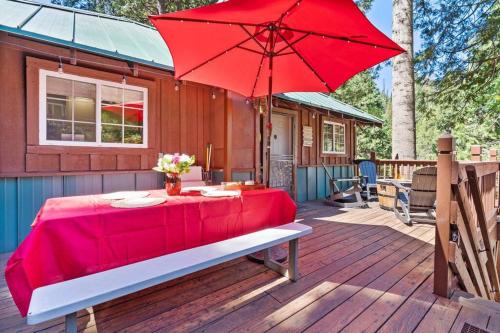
column 269, row 108
column 269, row 123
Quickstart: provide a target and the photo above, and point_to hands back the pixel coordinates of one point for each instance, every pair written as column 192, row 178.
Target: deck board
column 361, row 270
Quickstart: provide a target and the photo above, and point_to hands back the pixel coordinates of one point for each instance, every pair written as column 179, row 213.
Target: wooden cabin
column 88, row 101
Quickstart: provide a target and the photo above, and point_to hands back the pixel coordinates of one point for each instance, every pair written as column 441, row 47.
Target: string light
column 247, row 101
column 213, row 95
column 176, row 87
column 156, row 71
column 124, row 79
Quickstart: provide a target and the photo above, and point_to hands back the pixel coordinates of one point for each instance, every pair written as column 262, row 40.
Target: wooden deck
column 362, row 271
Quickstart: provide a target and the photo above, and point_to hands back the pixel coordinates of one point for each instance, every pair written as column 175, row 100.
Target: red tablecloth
column 77, row 236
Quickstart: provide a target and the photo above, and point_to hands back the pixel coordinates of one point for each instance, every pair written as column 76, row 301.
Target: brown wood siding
column 243, row 128
column 312, row 156
column 12, row 115
column 183, row 120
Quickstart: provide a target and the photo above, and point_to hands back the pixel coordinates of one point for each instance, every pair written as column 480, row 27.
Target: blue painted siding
column 313, row 182
column 320, row 183
column 8, row 213
column 242, row 176
column 82, row 185
column 21, row 198
column 301, row 184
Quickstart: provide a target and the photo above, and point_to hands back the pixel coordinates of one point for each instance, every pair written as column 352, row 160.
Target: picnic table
column 78, row 236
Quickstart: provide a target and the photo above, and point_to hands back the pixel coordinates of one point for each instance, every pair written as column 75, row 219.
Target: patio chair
column 193, row 178
column 368, row 170
column 417, row 204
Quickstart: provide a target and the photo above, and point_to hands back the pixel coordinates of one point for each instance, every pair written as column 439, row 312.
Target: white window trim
column 329, row 122
column 42, row 114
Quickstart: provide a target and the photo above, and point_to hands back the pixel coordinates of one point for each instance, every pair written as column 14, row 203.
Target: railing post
column 493, row 158
column 493, row 154
column 475, row 153
column 445, row 165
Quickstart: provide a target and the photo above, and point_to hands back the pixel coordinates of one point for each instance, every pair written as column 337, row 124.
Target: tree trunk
column 403, row 82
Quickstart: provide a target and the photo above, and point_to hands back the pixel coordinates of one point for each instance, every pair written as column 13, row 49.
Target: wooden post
column 475, row 153
column 493, row 154
column 373, row 156
column 445, row 165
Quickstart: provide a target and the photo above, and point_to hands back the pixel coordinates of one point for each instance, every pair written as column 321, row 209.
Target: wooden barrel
column 386, row 192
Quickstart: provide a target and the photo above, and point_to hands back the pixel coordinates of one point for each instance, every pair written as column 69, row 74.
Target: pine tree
column 403, row 83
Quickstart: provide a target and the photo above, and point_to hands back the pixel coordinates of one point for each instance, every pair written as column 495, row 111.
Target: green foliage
column 364, row 5
column 176, row 164
column 458, row 72
column 362, row 92
column 137, row 10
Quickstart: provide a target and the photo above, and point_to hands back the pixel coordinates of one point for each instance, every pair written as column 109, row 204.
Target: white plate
column 125, row 195
column 198, row 189
column 138, row 202
column 219, row 193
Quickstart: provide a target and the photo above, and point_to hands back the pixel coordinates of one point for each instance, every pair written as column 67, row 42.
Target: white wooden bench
column 66, row 298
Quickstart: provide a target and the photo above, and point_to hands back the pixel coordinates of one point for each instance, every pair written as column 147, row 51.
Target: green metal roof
column 120, row 38
column 89, row 31
column 324, row 101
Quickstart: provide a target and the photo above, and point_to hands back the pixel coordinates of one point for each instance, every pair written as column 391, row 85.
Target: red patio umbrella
column 261, row 47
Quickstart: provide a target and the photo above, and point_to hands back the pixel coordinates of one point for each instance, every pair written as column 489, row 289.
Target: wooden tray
column 242, row 187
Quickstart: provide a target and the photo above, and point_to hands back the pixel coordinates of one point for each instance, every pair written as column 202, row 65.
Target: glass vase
column 173, row 184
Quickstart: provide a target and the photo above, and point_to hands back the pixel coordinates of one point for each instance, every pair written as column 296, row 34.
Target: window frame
column 333, row 124
column 42, row 114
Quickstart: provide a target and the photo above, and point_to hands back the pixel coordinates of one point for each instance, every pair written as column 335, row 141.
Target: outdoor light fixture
column 176, row 87
column 60, row 69
column 213, row 95
column 124, row 79
column 247, row 101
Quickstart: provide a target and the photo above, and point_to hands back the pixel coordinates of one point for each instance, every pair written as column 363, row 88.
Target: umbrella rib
column 254, row 39
column 182, row 19
column 218, row 55
column 286, row 12
column 306, row 62
column 278, row 53
column 345, row 39
column 260, row 68
column 249, row 50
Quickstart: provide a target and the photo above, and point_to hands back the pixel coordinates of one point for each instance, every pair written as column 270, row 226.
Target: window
column 333, row 138
column 79, row 111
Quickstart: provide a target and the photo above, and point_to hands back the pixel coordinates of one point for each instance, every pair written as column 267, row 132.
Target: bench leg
column 293, row 260
column 292, row 271
column 70, row 323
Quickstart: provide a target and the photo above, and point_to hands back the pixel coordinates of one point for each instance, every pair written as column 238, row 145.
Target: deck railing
column 403, row 169
column 466, row 224
column 398, row 169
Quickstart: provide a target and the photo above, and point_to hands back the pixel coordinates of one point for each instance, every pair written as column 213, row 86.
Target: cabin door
column 282, row 152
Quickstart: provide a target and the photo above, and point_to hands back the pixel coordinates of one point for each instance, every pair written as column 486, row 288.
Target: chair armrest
column 363, row 180
column 399, row 186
